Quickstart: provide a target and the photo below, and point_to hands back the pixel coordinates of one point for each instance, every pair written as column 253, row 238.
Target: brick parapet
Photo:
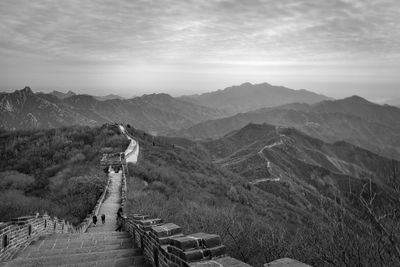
column 18, row 233
column 164, row 244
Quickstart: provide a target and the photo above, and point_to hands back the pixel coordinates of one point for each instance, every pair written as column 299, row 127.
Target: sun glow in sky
column 336, row 47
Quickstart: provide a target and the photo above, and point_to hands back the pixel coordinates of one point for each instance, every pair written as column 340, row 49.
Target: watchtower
column 113, row 160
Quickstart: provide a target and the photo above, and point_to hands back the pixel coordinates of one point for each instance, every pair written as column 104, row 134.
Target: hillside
column 308, row 196
column 155, row 113
column 24, row 109
column 355, row 120
column 284, row 147
column 247, row 97
column 55, row 171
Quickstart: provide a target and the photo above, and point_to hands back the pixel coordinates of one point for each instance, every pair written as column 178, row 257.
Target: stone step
column 88, row 258
column 68, row 251
column 123, row 262
column 44, row 245
column 86, row 235
column 88, row 239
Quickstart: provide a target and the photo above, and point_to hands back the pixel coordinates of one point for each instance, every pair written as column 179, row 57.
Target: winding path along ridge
column 113, row 199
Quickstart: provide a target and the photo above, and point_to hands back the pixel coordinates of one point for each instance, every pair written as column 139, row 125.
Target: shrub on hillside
column 54, row 170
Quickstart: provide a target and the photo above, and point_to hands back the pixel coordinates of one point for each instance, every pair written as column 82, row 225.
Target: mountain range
column 62, row 95
column 354, row 119
column 155, row 113
column 247, row 97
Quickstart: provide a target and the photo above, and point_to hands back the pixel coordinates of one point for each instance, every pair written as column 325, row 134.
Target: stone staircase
column 100, row 245
column 87, row 249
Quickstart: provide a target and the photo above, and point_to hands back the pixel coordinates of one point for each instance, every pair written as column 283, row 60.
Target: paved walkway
column 113, row 199
column 132, row 152
column 110, row 206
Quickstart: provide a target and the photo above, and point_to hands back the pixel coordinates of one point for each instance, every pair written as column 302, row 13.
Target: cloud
column 199, row 34
column 176, row 30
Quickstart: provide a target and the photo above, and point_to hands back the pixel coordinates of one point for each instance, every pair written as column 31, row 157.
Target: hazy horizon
column 336, row 48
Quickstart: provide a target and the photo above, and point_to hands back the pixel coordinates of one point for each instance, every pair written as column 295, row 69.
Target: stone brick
column 199, row 240
column 150, row 222
column 166, row 230
column 197, row 254
column 167, row 240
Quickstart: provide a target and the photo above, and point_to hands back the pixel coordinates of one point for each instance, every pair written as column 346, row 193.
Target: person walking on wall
column 94, row 219
column 103, row 218
column 119, row 220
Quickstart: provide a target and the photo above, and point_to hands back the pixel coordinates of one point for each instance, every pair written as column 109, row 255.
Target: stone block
column 198, row 240
column 149, row 222
column 166, row 230
column 197, row 254
column 167, row 240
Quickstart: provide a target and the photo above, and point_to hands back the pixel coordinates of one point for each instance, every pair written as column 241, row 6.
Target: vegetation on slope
column 178, row 180
column 55, row 170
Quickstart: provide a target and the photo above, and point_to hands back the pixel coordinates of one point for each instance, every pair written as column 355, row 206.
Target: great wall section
column 41, row 240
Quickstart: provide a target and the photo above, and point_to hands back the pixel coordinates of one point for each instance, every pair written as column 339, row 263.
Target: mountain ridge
column 247, row 97
column 155, row 113
column 367, row 125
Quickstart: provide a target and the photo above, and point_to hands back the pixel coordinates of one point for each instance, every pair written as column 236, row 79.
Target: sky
column 131, row 47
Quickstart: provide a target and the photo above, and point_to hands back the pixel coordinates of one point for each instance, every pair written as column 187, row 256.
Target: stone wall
column 164, row 244
column 20, row 232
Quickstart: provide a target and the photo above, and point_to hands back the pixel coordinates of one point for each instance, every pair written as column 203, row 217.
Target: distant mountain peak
column 246, row 84
column 356, row 98
column 26, row 90
column 62, row 95
column 247, row 97
column 155, row 96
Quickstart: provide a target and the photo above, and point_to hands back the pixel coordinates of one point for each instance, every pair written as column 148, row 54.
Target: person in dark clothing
column 119, row 220
column 94, row 219
column 103, row 218
column 119, row 225
column 119, row 213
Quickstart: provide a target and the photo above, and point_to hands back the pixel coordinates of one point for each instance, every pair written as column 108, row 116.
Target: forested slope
column 54, row 170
